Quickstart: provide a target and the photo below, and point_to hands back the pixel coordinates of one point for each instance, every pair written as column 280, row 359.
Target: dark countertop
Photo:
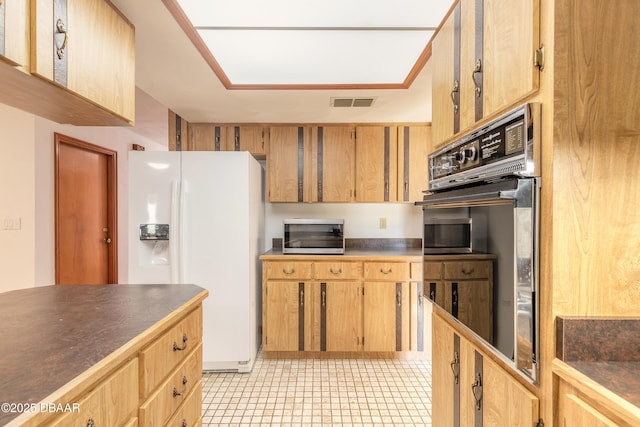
column 356, row 252
column 606, row 350
column 52, row 334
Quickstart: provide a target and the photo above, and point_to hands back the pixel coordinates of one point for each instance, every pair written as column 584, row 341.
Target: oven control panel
column 501, row 148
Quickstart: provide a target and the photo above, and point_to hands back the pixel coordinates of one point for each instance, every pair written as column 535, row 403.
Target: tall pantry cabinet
column 581, row 72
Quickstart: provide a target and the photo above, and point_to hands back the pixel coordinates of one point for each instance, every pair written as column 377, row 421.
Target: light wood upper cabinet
column 483, row 60
column 445, row 92
column 207, row 137
column 414, row 146
column 286, row 164
column 332, row 163
column 89, row 48
column 511, row 37
column 14, row 32
column 376, row 162
column 251, row 138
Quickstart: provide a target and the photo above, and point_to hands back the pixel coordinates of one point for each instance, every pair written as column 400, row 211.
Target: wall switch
column 12, row 223
column 383, row 223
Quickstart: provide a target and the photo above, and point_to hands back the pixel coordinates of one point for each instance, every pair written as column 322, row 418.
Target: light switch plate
column 12, row 223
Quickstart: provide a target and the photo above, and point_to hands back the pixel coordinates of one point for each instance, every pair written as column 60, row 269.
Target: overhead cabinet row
column 486, row 57
column 322, row 163
column 373, row 163
column 70, row 61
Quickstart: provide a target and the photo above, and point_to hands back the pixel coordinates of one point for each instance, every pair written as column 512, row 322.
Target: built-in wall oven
column 491, row 177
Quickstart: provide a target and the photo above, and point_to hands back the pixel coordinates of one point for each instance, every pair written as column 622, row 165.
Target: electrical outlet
column 383, row 223
column 11, row 223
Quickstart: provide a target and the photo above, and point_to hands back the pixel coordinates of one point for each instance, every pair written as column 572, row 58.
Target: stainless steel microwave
column 447, row 236
column 313, row 236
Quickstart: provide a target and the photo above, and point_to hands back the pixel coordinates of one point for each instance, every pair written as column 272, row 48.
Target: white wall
column 361, row 220
column 17, row 199
column 27, row 255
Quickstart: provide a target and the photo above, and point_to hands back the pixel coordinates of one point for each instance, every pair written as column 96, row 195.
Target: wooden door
column 376, row 159
column 206, row 137
column 14, row 32
column 285, row 164
column 251, row 138
column 511, row 36
column 446, row 363
column 471, row 302
column 85, row 212
column 282, row 316
column 443, row 92
column 414, row 146
column 342, row 302
column 333, row 162
column 507, row 402
column 386, row 316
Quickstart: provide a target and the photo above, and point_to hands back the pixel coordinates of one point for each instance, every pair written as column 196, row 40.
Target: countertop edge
column 591, row 388
column 108, row 364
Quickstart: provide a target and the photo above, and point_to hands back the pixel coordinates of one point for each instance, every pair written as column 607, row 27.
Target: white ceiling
column 171, row 70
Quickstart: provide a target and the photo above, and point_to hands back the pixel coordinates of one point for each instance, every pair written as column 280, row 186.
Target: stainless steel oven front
column 490, row 177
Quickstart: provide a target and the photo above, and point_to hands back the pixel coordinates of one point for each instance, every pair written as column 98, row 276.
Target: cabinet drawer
column 288, row 270
column 432, row 270
column 171, row 348
column 386, row 270
column 173, row 392
column 113, row 403
column 190, row 413
column 337, row 270
column 467, row 270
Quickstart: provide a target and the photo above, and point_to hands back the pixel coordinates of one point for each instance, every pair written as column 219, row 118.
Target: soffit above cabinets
column 280, row 44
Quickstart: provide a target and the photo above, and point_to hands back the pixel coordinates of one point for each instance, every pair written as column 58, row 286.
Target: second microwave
column 447, row 236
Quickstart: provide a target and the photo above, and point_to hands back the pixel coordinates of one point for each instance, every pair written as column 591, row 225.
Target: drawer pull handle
column 177, row 393
column 90, row 422
column 293, row 270
column 470, row 271
column 60, row 29
column 339, row 271
column 184, row 344
column 382, row 270
column 184, row 423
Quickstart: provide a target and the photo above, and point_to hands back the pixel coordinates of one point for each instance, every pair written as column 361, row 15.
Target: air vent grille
column 352, row 102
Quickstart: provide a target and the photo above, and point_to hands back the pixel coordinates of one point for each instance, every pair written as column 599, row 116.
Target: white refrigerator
column 198, row 217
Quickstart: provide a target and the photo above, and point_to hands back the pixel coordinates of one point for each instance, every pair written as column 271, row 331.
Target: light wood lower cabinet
column 112, row 403
column 463, row 286
column 341, row 305
column 471, row 389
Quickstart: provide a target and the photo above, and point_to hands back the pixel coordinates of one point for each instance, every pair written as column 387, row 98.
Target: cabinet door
column 14, row 32
column 178, row 132
column 333, row 164
column 89, row 49
column 445, row 94
column 471, row 302
column 285, row 164
column 341, row 303
column 386, row 316
column 507, row 402
column 376, row 156
column 511, row 36
column 575, row 412
column 206, row 137
column 283, row 315
column 445, row 374
column 254, row 139
column 414, row 146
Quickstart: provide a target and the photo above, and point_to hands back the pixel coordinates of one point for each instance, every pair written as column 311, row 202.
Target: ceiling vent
column 352, row 102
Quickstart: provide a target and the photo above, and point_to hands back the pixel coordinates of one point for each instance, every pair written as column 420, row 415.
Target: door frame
column 112, row 200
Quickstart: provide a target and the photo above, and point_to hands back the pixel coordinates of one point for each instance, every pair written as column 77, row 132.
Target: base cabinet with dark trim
column 470, row 389
column 337, row 305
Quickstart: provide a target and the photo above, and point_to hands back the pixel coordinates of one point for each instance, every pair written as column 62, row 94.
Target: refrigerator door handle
column 173, row 241
column 184, row 217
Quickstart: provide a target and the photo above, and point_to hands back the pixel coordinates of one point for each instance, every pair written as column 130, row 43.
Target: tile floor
column 320, row 393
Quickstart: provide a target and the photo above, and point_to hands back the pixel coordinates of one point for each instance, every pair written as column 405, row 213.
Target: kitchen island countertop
column 53, row 335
